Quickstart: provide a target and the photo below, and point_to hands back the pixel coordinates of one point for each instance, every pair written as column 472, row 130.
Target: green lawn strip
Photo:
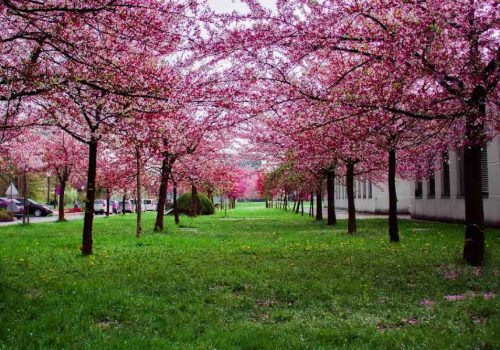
column 256, row 278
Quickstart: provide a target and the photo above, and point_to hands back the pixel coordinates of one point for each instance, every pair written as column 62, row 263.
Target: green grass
column 258, row 279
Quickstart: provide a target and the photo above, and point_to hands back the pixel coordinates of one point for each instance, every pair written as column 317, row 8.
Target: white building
column 440, row 198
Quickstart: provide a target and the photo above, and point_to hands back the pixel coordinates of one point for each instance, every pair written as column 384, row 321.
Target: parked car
column 129, row 207
column 36, row 208
column 100, row 206
column 150, row 205
column 147, row 204
column 10, row 204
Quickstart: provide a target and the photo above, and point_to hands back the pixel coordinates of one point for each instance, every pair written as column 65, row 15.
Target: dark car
column 36, row 208
column 12, row 205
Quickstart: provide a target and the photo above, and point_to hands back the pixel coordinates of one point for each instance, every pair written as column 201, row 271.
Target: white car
column 100, row 206
column 147, row 204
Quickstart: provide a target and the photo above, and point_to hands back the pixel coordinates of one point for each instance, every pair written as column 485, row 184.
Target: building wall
column 379, row 201
column 451, row 208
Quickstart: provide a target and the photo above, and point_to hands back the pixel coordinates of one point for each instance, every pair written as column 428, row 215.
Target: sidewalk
column 53, row 218
column 342, row 214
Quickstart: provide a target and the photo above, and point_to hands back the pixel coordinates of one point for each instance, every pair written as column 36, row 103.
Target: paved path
column 342, row 214
column 34, row 220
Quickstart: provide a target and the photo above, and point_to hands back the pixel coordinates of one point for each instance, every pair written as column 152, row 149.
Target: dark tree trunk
column 124, row 198
column 319, row 203
column 302, row 206
column 162, row 195
column 311, row 206
column 474, row 213
column 195, row 203
column 89, row 203
column 294, row 205
column 297, row 200
column 26, row 213
column 194, row 207
column 138, row 230
column 330, row 187
column 108, row 197
column 393, row 199
column 176, row 212
column 48, row 190
column 351, row 209
column 62, row 189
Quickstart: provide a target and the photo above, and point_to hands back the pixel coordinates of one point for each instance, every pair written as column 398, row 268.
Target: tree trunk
column 123, row 202
column 311, row 206
column 176, row 212
column 474, row 214
column 297, row 200
column 302, row 206
column 330, row 187
column 108, row 197
column 89, row 203
column 62, row 189
column 48, row 190
column 319, row 203
column 194, row 207
column 162, row 195
column 393, row 200
column 26, row 213
column 351, row 209
column 138, row 230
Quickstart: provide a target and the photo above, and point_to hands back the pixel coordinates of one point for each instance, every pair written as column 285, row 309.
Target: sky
column 231, row 5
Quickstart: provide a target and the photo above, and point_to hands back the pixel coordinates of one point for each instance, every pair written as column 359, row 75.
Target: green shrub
column 6, row 216
column 184, row 202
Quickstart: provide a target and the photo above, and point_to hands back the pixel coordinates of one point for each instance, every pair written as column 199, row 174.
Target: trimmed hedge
column 6, row 216
column 184, row 202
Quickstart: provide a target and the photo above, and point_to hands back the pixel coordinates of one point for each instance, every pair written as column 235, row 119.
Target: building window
column 445, row 193
column 364, row 189
column 431, row 187
column 460, row 174
column 484, row 171
column 359, row 189
column 418, row 189
column 370, row 189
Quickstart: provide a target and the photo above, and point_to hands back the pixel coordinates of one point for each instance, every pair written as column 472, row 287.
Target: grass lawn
column 258, row 279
